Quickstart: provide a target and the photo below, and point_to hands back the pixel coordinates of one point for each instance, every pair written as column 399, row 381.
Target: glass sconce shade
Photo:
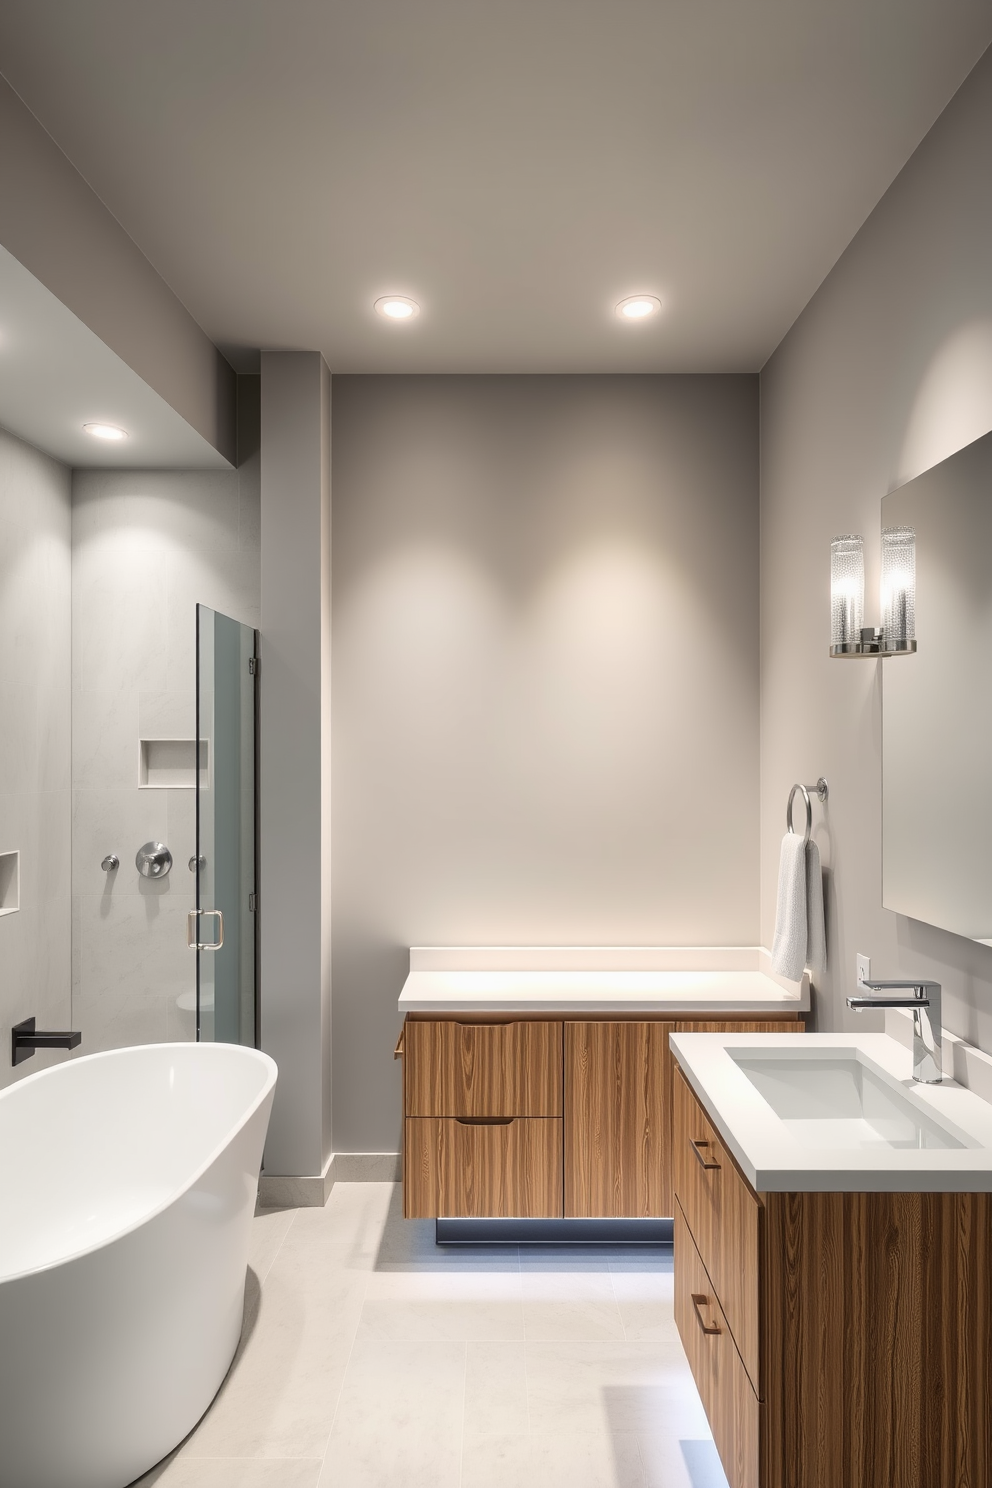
column 847, row 590
column 898, row 588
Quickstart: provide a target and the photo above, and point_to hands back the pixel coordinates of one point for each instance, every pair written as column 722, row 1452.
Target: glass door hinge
column 252, row 903
column 253, row 666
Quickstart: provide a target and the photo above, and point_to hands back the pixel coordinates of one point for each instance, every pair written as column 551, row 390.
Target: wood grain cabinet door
column 723, row 1215
column 731, row 1406
column 482, row 1069
column 615, row 1112
column 481, row 1169
column 711, row 1025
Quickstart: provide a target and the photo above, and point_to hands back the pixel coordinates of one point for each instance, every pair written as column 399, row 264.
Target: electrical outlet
column 864, row 969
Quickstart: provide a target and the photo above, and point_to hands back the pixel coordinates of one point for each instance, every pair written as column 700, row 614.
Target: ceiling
column 516, row 166
column 56, row 375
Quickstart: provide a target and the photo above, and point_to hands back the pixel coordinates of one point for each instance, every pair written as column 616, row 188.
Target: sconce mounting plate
column 872, row 644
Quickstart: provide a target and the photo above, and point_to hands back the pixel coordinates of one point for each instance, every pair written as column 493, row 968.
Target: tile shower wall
column 146, row 548
column 34, row 740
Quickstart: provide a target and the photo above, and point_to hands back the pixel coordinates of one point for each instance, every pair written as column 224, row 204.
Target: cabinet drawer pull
column 484, row 1120
column 697, row 1144
column 398, row 1051
column 699, row 1301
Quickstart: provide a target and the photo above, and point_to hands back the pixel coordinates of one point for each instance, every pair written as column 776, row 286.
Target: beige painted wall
column 545, row 680
column 888, row 371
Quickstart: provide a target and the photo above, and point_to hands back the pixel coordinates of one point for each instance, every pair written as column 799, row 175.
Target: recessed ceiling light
column 105, row 431
column 638, row 307
column 397, row 307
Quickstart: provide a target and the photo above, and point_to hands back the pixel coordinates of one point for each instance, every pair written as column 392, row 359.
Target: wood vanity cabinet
column 618, row 1111
column 539, row 1118
column 482, row 1127
column 838, row 1340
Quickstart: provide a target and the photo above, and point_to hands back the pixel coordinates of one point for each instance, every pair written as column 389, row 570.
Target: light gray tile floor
column 371, row 1358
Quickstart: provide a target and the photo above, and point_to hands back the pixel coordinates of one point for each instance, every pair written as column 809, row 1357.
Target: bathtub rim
column 272, row 1074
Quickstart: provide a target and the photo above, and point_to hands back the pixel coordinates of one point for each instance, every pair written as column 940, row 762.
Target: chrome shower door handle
column 192, row 940
column 215, row 945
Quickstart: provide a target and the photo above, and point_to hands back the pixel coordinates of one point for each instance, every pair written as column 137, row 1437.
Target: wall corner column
column 294, row 756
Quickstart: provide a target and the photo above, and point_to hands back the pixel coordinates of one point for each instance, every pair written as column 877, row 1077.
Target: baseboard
column 276, row 1191
column 311, row 1191
column 366, row 1167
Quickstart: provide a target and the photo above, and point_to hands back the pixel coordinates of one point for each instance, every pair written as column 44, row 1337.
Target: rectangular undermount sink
column 839, row 1113
column 837, row 1101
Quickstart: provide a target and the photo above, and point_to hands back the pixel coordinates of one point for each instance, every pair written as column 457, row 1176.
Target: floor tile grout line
column 275, row 1253
column 527, row 1387
column 237, row 1458
column 461, row 1442
column 344, row 1372
column 616, row 1302
column 344, row 1377
column 337, row 1403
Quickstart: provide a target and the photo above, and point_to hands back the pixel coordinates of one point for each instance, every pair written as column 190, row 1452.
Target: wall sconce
column 847, row 595
column 898, row 591
column 896, row 636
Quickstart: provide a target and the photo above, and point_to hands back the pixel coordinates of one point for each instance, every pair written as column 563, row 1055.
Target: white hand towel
column 816, row 943
column 789, row 945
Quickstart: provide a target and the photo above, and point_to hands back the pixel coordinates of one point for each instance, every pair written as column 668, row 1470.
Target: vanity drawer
column 723, row 1216
column 732, row 1408
column 482, row 1069
column 476, row 1168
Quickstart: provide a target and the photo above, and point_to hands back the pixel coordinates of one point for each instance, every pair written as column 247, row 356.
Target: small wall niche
column 170, row 764
column 10, row 882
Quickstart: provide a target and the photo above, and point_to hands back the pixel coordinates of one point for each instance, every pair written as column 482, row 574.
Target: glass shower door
column 223, row 926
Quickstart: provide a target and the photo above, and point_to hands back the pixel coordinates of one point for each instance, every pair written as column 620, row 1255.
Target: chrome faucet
column 925, row 1005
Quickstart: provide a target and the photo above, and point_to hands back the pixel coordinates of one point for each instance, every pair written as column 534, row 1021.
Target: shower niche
column 10, row 882
column 171, row 764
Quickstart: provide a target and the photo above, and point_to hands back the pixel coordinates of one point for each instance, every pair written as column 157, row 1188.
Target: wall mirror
column 937, row 705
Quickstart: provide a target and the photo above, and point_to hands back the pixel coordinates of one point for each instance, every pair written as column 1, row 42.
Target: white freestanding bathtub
column 127, row 1186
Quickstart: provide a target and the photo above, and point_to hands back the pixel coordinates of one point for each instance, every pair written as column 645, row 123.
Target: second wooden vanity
column 525, row 1116
column 838, row 1339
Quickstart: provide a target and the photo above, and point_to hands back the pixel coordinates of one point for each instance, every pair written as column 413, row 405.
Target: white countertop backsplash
column 708, row 981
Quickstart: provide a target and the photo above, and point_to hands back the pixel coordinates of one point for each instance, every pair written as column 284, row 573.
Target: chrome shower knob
column 153, row 860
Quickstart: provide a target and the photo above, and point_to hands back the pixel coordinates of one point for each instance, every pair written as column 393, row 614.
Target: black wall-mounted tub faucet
column 24, row 1040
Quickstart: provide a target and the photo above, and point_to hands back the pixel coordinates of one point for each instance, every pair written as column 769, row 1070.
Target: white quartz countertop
column 780, row 1156
column 699, row 993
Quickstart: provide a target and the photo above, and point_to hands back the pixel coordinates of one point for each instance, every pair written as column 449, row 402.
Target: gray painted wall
column 888, row 371
column 295, row 756
column 545, row 680
column 35, row 811
column 58, row 228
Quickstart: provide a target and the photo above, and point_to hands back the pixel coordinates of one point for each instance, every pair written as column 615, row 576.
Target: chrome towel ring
column 821, row 790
